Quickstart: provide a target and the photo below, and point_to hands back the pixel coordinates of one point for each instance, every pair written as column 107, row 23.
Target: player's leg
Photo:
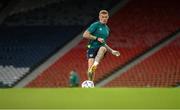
column 90, row 63
column 91, row 54
column 102, row 50
column 100, row 54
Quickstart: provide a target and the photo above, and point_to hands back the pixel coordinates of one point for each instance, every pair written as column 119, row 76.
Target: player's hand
column 101, row 40
column 116, row 53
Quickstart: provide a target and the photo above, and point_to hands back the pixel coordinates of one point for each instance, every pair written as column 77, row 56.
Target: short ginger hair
column 103, row 12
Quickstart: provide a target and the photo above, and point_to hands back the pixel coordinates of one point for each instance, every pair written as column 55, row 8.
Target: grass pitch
column 96, row 98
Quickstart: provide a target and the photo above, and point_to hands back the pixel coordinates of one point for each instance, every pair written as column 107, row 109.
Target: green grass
column 99, row 98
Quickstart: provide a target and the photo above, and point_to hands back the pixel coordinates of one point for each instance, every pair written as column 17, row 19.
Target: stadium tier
column 26, row 5
column 27, row 47
column 162, row 69
column 62, row 12
column 134, row 29
column 35, row 29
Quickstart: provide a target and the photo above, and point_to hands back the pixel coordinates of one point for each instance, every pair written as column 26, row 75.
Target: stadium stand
column 10, row 74
column 159, row 70
column 134, row 29
column 30, row 47
column 26, row 5
column 29, row 36
column 60, row 13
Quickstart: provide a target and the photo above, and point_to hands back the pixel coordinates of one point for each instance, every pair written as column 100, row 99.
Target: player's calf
column 90, row 76
column 102, row 50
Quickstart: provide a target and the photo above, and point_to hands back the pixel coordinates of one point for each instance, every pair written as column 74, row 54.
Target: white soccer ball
column 87, row 84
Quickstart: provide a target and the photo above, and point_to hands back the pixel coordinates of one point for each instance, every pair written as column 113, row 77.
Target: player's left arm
column 114, row 52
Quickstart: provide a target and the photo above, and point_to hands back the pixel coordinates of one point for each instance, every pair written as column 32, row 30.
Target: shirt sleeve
column 92, row 28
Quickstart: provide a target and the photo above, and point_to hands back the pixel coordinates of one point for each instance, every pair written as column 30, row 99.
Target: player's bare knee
column 103, row 49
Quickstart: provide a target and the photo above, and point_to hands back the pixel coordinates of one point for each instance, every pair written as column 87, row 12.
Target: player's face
column 103, row 18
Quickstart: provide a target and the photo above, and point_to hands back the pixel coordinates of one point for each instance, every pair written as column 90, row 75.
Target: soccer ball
column 87, row 84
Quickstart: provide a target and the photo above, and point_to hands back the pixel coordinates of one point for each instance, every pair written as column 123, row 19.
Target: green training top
column 99, row 30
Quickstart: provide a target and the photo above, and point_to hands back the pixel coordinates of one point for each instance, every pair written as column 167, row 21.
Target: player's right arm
column 88, row 33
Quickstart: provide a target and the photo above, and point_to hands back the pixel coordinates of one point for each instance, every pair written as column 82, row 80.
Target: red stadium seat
column 158, row 70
